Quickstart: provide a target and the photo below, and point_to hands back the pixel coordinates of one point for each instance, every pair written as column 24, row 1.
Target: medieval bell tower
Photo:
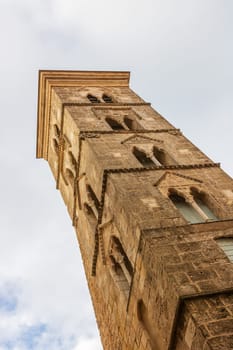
column 153, row 215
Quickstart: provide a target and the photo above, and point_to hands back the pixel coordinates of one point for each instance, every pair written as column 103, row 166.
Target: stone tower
column 153, row 215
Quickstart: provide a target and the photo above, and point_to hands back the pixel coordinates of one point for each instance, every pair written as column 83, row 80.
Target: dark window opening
column 143, row 158
column 122, row 269
column 132, row 124
column 114, row 124
column 116, row 266
column 162, row 157
column 118, row 247
column 107, row 99
column 93, row 99
column 141, row 309
column 119, row 275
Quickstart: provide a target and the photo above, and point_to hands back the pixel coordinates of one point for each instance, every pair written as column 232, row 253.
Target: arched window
column 186, row 209
column 201, row 201
column 56, row 146
column 226, row 244
column 114, row 124
column 107, row 99
column 117, row 268
column 120, row 263
column 69, row 176
column 161, row 157
column 92, row 197
column 132, row 124
column 93, row 99
column 143, row 158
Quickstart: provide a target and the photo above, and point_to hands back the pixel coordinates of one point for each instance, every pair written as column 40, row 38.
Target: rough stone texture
column 156, row 280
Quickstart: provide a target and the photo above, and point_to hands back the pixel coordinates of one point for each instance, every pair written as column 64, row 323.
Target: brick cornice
column 164, row 167
column 172, row 131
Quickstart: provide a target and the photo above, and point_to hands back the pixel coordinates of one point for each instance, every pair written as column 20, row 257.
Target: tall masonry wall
column 153, row 215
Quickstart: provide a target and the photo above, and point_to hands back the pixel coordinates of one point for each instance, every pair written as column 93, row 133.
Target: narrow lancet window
column 120, row 263
column 186, row 209
column 143, row 158
column 114, row 124
column 161, row 157
column 132, row 124
column 201, row 200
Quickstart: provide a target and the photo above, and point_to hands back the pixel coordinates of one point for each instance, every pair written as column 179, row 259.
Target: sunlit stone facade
column 153, row 215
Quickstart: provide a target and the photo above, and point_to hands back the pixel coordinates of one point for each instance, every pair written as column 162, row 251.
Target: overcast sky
column 180, row 56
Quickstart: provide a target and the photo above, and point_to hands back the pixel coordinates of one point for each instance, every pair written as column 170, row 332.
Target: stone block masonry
column 152, row 214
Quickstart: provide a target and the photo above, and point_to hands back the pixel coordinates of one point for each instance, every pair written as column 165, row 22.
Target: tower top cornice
column 49, row 79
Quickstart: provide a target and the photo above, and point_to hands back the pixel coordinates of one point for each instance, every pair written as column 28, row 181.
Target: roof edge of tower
column 68, row 78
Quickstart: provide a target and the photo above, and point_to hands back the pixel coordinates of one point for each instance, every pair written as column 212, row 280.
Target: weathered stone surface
column 157, row 280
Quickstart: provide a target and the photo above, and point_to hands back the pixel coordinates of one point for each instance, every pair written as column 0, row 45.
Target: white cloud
column 88, row 344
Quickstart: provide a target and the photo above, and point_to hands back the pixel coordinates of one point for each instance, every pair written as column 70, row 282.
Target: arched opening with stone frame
column 114, row 124
column 201, row 200
column 185, row 208
column 120, row 264
column 142, row 157
column 162, row 157
column 132, row 124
